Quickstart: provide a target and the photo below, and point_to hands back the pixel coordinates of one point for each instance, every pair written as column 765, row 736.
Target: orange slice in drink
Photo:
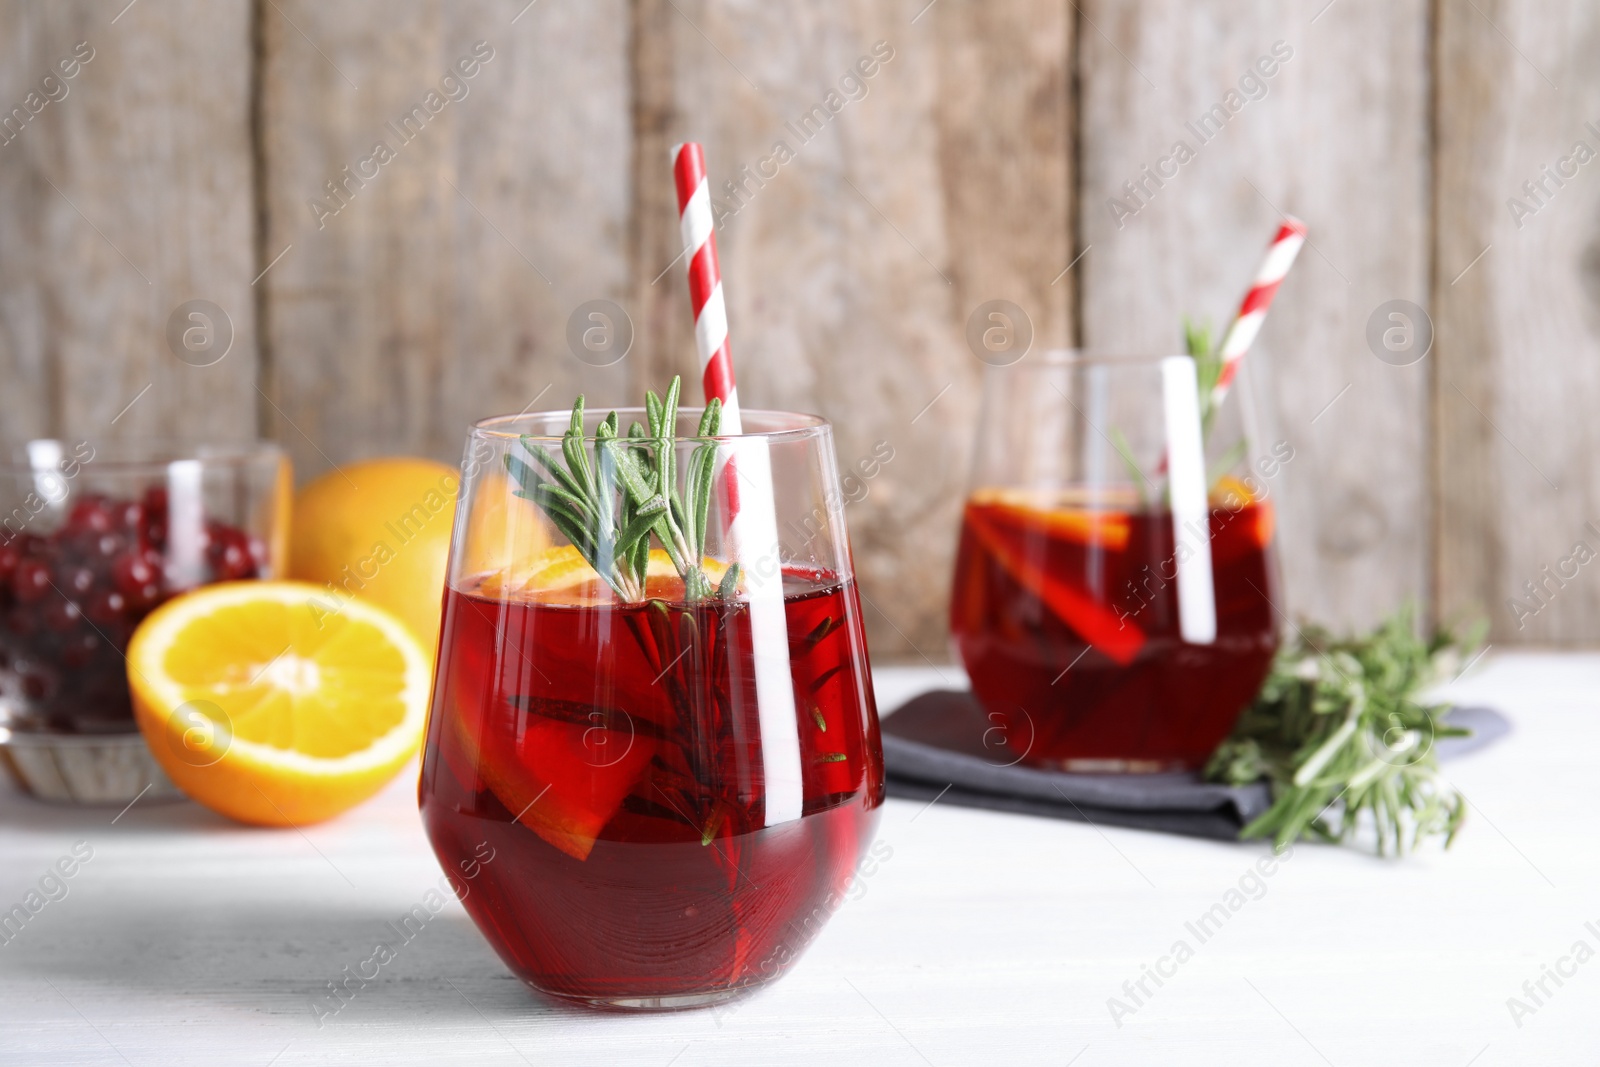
column 562, row 779
column 561, row 575
column 1008, row 541
column 1236, row 499
column 1266, row 523
column 1059, row 514
column 1230, row 491
column 563, row 769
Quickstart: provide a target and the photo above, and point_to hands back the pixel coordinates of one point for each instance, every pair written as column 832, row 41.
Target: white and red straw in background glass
column 1253, row 309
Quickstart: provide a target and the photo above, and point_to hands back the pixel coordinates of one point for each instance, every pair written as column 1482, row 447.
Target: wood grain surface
column 434, row 289
column 934, row 157
column 1517, row 293
column 125, row 193
column 1310, row 139
column 904, row 164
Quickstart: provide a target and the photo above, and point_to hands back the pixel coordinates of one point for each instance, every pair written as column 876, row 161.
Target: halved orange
column 275, row 702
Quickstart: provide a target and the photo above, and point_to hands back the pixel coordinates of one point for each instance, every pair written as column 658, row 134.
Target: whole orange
column 379, row 530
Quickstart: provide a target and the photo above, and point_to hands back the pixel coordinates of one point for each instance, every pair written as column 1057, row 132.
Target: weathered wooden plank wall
column 125, row 192
column 445, row 183
column 974, row 162
column 1302, row 134
column 943, row 180
column 1517, row 303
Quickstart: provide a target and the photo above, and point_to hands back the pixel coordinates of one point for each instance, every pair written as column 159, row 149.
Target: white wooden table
column 985, row 938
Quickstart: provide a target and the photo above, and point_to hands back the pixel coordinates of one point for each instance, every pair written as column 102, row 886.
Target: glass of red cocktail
column 668, row 746
column 1114, row 595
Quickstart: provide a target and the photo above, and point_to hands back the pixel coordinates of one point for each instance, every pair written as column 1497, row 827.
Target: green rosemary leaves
column 1338, row 733
column 609, row 501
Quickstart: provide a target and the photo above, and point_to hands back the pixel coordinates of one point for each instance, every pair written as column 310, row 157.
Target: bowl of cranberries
column 93, row 537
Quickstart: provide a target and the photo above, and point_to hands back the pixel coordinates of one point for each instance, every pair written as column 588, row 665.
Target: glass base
column 671, row 1002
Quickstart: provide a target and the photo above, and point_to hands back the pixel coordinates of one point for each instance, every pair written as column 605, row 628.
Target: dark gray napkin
column 941, row 744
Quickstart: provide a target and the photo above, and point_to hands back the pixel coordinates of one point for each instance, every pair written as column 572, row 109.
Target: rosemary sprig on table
column 1338, row 734
column 609, row 504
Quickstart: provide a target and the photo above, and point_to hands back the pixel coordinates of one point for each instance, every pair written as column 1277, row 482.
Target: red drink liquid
column 1067, row 620
column 611, row 756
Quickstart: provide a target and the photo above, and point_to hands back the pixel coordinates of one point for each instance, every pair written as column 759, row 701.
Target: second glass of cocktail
column 653, row 749
column 1114, row 588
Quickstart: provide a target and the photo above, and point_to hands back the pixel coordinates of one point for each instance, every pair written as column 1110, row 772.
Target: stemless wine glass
column 1114, row 596
column 652, row 798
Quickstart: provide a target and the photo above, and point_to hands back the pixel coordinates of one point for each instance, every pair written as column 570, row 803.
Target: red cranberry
column 129, row 515
column 70, row 600
column 31, row 581
column 106, row 606
column 77, row 653
column 61, row 615
column 35, row 685
column 137, row 578
column 37, row 547
column 229, row 555
column 154, row 518
column 120, row 632
column 77, row 581
column 106, row 546
column 88, row 546
column 92, row 514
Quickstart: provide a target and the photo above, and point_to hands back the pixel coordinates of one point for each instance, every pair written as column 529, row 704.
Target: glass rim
column 149, row 453
column 804, row 424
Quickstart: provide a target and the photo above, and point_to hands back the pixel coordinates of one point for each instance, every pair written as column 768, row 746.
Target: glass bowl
column 95, row 535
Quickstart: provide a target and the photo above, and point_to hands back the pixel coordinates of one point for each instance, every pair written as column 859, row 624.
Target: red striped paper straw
column 705, row 282
column 1253, row 311
column 752, row 533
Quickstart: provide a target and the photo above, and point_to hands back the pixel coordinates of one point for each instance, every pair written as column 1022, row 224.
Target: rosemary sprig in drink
column 1337, row 731
column 1207, row 367
column 608, row 504
column 1208, row 364
column 609, row 494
